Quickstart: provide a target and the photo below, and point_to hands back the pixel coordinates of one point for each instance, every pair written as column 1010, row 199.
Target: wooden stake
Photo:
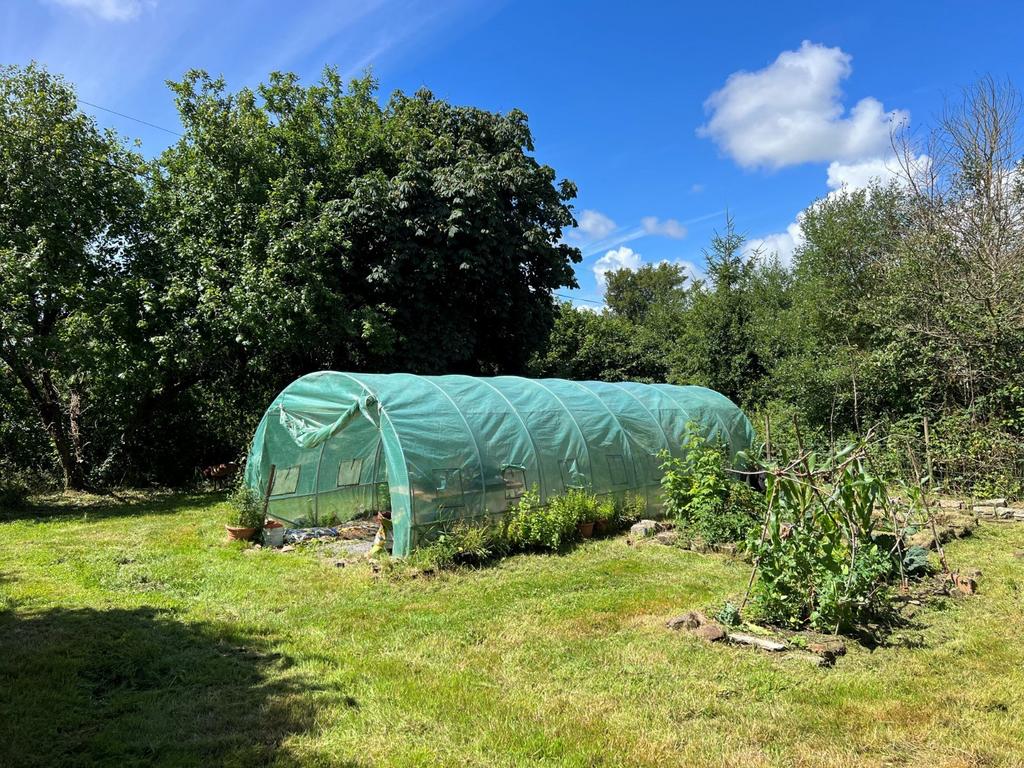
column 270, row 487
column 928, row 455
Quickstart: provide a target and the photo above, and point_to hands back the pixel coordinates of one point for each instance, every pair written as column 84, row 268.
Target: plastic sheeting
column 438, row 448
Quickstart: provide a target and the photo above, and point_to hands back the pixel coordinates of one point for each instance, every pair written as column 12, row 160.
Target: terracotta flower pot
column 238, row 533
column 602, row 526
column 586, row 530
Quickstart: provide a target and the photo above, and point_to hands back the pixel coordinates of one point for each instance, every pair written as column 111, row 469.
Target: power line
column 129, row 117
column 578, row 298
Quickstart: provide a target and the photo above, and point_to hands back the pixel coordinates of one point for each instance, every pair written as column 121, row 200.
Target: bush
column 629, row 509
column 701, row 497
column 461, row 543
column 532, row 525
column 15, row 487
column 246, row 507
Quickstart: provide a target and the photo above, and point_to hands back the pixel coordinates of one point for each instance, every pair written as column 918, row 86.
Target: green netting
column 437, row 448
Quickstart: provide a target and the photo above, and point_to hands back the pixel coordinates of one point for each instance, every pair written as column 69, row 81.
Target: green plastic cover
column 433, row 449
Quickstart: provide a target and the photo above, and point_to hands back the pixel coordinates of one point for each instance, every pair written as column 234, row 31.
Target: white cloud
column 652, row 225
column 790, row 112
column 108, row 10
column 692, row 271
column 595, row 225
column 853, row 176
column 780, row 244
column 620, row 258
column 860, row 175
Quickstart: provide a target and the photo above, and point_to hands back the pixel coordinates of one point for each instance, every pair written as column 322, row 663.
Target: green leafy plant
column 699, row 494
column 461, row 543
column 606, row 512
column 532, row 525
column 728, row 614
column 819, row 562
column 246, row 507
column 14, row 487
column 630, row 508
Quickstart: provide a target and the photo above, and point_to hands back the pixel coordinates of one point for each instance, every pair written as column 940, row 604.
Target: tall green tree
column 69, row 213
column 638, row 294
column 719, row 347
column 301, row 228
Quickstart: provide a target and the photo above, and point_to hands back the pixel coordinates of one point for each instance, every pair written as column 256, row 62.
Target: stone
column 643, row 529
column 951, row 503
column 669, row 538
column 1019, row 553
column 287, row 548
column 811, row 658
column 997, row 502
column 922, row 538
column 758, row 642
column 828, row 650
column 1018, row 514
column 689, row 620
column 833, row 647
column 965, row 584
column 710, row 632
column 1002, row 513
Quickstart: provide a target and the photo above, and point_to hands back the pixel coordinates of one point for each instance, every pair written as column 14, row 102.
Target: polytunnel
column 433, row 449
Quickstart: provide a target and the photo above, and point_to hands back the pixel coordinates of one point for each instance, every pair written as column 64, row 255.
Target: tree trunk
column 60, row 422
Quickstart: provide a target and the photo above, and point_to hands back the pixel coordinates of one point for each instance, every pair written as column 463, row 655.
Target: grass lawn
column 130, row 633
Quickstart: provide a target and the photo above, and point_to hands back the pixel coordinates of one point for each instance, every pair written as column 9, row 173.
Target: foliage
column 246, row 507
column 461, row 543
column 631, row 508
column 68, row 292
column 704, row 501
column 551, row 526
column 916, row 563
column 819, row 563
column 146, row 311
column 607, row 511
column 311, row 227
column 728, row 614
column 14, row 487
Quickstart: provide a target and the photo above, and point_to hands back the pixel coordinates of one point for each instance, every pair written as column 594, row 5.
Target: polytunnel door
column 351, row 478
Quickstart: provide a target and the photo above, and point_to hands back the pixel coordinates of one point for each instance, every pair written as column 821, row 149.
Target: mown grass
column 130, row 633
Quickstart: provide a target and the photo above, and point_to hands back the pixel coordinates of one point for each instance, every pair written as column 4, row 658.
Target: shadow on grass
column 115, row 504
column 130, row 687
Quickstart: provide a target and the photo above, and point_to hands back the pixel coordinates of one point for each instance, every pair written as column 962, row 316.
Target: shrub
column 14, row 488
column 607, row 512
column 246, row 507
column 461, row 543
column 629, row 509
column 704, row 501
column 532, row 525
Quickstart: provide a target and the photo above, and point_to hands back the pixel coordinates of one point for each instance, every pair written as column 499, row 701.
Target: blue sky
column 665, row 114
